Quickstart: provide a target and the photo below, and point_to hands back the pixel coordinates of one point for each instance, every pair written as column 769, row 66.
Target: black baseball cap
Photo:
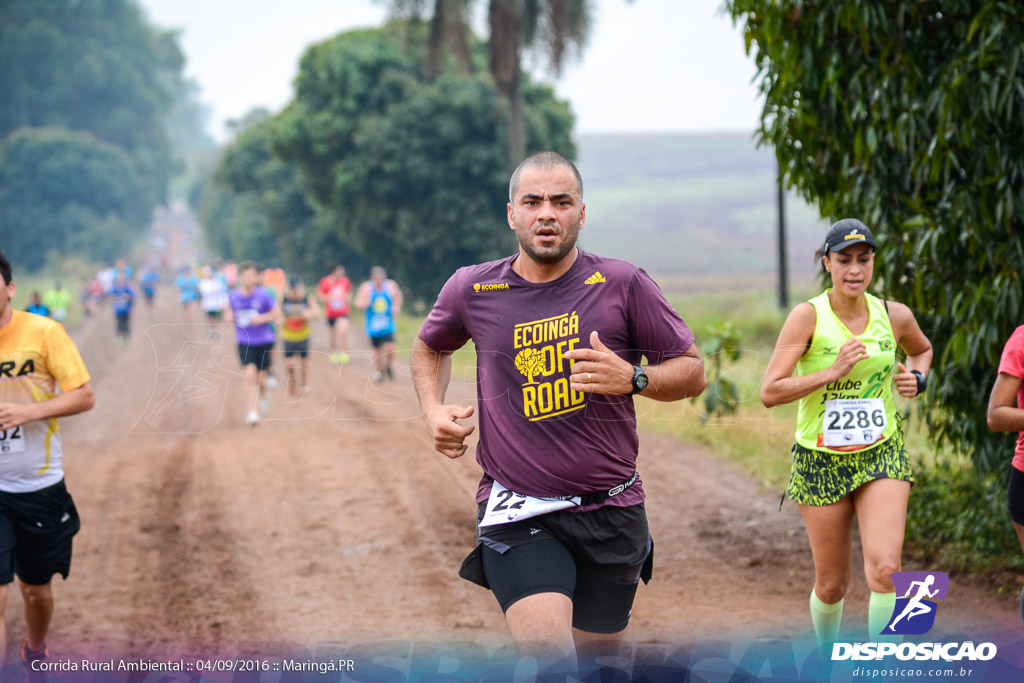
column 847, row 232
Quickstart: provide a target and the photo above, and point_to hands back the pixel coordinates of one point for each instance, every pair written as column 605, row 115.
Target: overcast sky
column 650, row 65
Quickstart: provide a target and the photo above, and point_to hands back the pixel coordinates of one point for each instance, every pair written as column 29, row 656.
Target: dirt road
column 334, row 520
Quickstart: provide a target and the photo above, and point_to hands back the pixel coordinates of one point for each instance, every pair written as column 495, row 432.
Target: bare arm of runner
column 71, row 402
column 362, row 301
column 1002, row 415
column 918, row 348
column 599, row 370
column 431, row 372
column 271, row 316
column 779, row 385
column 396, row 298
column 314, row 309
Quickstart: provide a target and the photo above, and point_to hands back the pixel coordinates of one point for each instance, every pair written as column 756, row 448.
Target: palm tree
column 554, row 28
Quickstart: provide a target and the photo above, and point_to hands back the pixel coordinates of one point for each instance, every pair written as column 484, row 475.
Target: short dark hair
column 5, row 268
column 544, row 160
column 246, row 265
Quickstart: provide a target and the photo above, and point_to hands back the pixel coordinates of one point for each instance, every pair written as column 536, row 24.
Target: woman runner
column 1004, row 417
column 836, row 355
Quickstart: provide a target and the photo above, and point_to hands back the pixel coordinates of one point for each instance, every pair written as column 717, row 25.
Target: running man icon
column 916, row 588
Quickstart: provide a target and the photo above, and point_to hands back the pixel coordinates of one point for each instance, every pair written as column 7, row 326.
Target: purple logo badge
column 916, row 592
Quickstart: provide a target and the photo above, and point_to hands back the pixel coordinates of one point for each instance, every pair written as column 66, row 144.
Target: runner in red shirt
column 1004, row 416
column 334, row 292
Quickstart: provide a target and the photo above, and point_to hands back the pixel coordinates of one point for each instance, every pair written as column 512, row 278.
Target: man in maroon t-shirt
column 560, row 335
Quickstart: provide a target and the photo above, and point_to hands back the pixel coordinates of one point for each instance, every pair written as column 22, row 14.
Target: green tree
column 908, row 115
column 554, row 28
column 66, row 190
column 412, row 169
column 94, row 67
column 302, row 236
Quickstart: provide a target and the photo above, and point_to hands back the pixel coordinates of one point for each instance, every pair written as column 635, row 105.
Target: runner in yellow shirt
column 37, row 515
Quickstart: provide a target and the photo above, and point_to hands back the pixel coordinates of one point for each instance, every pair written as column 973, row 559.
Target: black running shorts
column 595, row 558
column 298, row 349
column 1015, row 495
column 36, row 529
column 258, row 355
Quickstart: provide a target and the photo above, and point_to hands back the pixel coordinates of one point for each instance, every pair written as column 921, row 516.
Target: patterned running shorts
column 821, row 478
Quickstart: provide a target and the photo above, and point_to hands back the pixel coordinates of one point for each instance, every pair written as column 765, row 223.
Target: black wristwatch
column 640, row 380
column 922, row 381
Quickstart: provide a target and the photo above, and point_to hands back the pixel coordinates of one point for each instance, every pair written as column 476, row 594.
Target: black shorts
column 1015, row 495
column 258, row 355
column 381, row 341
column 36, row 529
column 595, row 558
column 122, row 323
column 331, row 321
column 296, row 348
column 214, row 316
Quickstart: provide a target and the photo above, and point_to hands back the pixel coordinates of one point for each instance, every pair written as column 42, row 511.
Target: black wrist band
column 922, row 380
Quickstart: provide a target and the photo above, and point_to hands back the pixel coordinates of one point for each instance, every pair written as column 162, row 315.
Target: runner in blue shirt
column 382, row 300
column 123, row 296
column 37, row 306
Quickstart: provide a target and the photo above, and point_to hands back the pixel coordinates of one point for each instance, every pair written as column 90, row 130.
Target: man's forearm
column 69, row 403
column 676, row 378
column 431, row 373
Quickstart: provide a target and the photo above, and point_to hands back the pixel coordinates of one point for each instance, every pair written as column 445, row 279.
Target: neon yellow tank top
column 870, row 378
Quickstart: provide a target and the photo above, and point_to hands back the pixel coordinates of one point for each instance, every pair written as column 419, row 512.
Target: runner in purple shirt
column 560, row 335
column 251, row 309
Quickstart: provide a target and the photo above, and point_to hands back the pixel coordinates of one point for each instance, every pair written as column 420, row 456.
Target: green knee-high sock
column 880, row 606
column 826, row 619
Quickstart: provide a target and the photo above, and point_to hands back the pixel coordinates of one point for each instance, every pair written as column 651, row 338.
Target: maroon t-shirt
column 537, row 436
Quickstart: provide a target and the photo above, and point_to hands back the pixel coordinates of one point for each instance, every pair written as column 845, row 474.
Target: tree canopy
column 76, row 192
column 97, row 69
column 909, row 115
column 374, row 155
column 554, row 28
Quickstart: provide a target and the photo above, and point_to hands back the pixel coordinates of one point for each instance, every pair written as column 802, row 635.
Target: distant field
column 697, row 211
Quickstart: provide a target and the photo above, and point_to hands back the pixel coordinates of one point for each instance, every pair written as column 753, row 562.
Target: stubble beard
column 548, row 255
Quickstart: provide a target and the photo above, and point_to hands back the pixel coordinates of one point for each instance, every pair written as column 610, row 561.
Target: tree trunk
column 503, row 51
column 516, row 125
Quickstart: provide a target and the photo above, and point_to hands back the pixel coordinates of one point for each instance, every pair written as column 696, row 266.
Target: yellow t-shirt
column 36, row 356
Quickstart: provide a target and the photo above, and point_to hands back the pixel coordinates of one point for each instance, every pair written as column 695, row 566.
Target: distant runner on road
column 381, row 298
column 298, row 309
column 38, row 518
column 334, row 292
column 187, row 284
column 123, row 297
column 252, row 310
column 37, row 306
column 58, row 300
column 213, row 296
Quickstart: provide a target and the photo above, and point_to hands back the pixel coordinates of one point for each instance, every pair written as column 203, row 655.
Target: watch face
column 640, row 380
